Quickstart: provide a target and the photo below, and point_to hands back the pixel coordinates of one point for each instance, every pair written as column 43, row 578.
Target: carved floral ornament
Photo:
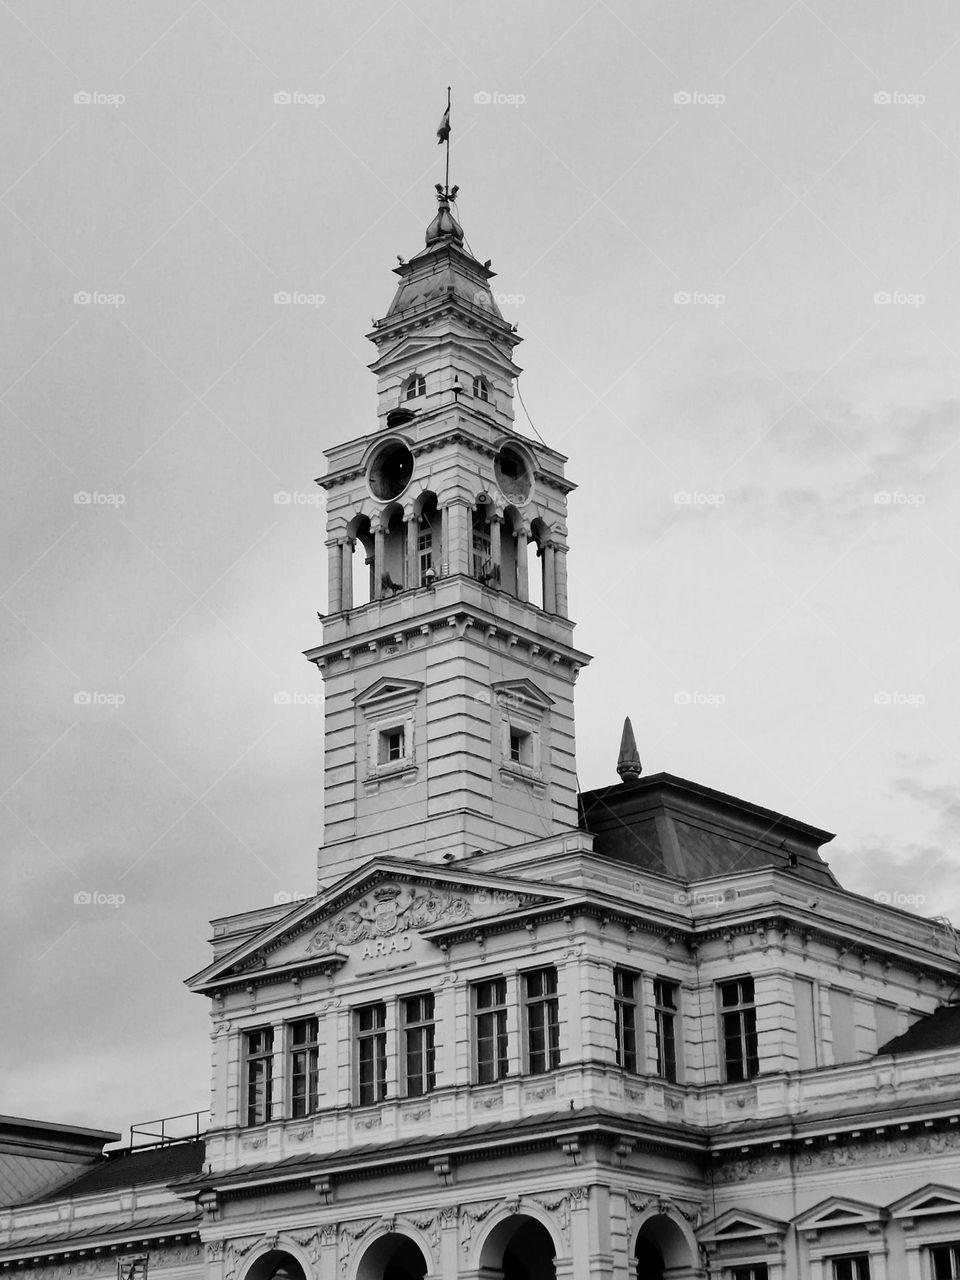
column 388, row 911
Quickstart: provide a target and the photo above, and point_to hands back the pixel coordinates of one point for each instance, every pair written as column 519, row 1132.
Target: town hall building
column 520, row 1032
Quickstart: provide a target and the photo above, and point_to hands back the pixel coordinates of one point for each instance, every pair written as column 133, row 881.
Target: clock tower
column 448, row 656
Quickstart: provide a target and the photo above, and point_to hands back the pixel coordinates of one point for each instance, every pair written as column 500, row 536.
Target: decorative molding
column 387, row 911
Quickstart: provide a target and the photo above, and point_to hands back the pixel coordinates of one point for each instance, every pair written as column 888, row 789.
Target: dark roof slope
column 135, row 1167
column 677, row 828
column 939, row 1030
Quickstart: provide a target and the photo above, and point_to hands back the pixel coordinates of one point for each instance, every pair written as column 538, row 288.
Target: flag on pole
column 443, row 132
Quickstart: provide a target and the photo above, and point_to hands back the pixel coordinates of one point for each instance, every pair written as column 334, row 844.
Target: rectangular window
column 419, row 1054
column 424, row 550
column 842, row 1025
column 391, row 745
column 482, row 546
column 625, row 1017
column 541, row 1010
column 854, row 1267
column 805, row 1009
column 371, row 1039
column 739, row 1020
column 946, row 1261
column 490, row 1013
column 258, row 1053
column 304, row 1065
column 757, row 1272
column 666, row 998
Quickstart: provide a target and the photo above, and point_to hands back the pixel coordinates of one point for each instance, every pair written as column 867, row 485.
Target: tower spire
column 628, row 765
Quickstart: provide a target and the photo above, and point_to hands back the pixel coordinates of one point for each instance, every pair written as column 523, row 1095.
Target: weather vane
column 445, row 192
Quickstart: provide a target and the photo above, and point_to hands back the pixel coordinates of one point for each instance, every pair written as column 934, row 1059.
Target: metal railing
column 185, row 1127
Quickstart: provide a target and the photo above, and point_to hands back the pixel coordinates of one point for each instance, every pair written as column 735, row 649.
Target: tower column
column 445, row 540
column 549, row 578
column 334, row 576
column 560, row 575
column 413, row 530
column 458, row 546
column 523, row 581
column 346, row 576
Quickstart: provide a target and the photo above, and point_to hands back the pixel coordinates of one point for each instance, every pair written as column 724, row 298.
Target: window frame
column 532, row 1005
column 745, row 1013
column 415, row 386
column 309, row 1050
column 626, row 1008
column 481, row 388
column 666, row 1018
column 750, row 1271
column 952, row 1249
column 370, row 1093
column 860, row 1271
column 422, row 1030
column 496, row 1013
column 258, row 1111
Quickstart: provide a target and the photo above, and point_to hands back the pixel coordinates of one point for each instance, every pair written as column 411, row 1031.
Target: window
column 391, row 745
column 541, row 1010
column 304, row 1063
column 739, row 1017
column 419, row 1055
column 855, row 1267
column 665, row 1002
column 258, row 1048
column 424, row 549
column 371, row 1054
column 482, row 546
column 946, row 1261
column 416, row 386
column 757, row 1272
column 625, row 1017
column 490, row 1013
column 480, row 388
column 520, row 747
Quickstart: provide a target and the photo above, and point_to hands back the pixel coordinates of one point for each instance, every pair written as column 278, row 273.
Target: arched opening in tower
column 392, row 1257
column 429, row 554
column 392, row 575
column 361, row 563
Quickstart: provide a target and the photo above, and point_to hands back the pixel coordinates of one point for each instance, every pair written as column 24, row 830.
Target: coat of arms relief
column 387, row 912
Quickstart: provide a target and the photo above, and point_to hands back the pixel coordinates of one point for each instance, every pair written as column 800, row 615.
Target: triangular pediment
column 523, row 691
column 927, row 1202
column 839, row 1212
column 742, row 1225
column 426, row 341
column 388, row 689
column 378, row 906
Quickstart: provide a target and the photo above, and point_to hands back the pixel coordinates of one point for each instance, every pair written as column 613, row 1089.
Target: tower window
column 946, row 1261
column 739, row 1017
column 490, row 1027
column 392, row 745
column 258, row 1053
column 480, row 388
column 420, row 1074
column 665, row 997
column 424, row 549
column 304, row 1064
column 625, row 1011
column 521, row 747
column 416, row 385
column 371, row 1044
column 541, row 1010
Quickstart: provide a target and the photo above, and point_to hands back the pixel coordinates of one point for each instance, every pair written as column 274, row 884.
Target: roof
column 939, row 1030
column 673, row 827
column 134, row 1167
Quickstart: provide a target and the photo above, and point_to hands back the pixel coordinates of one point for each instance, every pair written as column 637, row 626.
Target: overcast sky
column 764, row 550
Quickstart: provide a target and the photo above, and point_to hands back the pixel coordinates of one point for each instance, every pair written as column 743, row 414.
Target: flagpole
column 446, row 183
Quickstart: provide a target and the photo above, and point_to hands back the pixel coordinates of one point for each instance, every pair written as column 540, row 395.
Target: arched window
column 483, row 567
column 416, row 385
column 481, row 388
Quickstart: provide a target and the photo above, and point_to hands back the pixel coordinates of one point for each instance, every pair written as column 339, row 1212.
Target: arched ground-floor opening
column 663, row 1250
column 519, row 1248
column 392, row 1257
column 276, row 1264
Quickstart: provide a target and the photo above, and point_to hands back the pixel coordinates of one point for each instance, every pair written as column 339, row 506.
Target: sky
column 729, row 235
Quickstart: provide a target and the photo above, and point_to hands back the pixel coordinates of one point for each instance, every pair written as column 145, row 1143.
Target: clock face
column 390, row 471
column 514, row 474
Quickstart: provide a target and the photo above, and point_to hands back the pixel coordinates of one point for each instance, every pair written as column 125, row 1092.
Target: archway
column 519, row 1248
column 392, row 1257
column 275, row 1264
column 662, row 1249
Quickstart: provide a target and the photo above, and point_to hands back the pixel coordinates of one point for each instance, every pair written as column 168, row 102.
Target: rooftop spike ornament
column 628, row 765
